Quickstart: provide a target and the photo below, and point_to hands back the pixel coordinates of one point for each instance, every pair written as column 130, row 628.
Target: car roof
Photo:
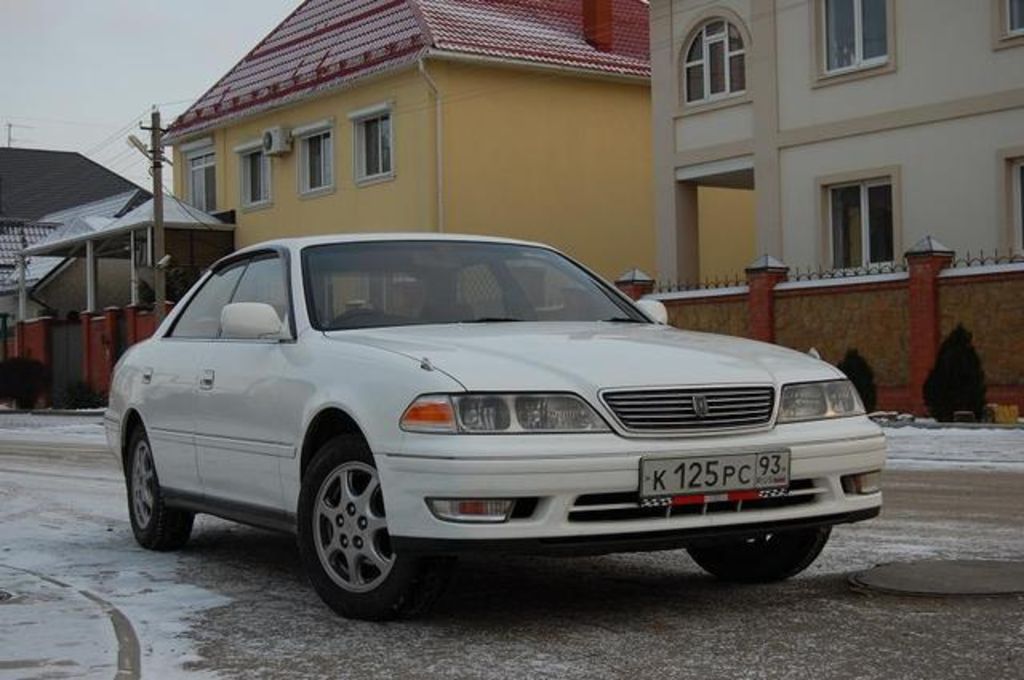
column 298, row 243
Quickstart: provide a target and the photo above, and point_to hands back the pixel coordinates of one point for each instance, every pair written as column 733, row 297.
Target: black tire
column 764, row 559
column 164, row 528
column 411, row 585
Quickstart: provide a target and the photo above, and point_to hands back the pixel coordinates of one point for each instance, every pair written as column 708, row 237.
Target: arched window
column 715, row 64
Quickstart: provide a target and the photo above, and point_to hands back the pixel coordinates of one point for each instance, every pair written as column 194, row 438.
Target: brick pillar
column 37, row 344
column 635, row 283
column 131, row 329
column 762, row 276
column 19, row 339
column 109, row 352
column 86, row 321
column 925, row 261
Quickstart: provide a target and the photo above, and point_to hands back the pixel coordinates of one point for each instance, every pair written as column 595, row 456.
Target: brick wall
column 726, row 314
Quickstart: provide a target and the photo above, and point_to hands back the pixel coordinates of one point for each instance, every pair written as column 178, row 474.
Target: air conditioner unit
column 276, row 141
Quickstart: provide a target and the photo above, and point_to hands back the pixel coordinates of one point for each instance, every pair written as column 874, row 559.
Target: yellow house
column 513, row 118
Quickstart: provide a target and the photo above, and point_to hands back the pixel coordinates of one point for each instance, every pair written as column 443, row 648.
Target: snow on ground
column 913, row 448
column 21, row 431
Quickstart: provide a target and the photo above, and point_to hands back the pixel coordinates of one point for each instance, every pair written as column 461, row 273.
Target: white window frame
column 1012, row 32
column 865, row 216
column 859, row 63
column 193, row 155
column 303, row 135
column 1017, row 168
column 244, row 151
column 359, row 120
column 705, row 62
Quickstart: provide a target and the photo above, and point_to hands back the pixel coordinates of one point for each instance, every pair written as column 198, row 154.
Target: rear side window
column 201, row 319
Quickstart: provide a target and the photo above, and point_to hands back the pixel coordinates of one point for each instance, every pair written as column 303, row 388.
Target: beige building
column 860, row 125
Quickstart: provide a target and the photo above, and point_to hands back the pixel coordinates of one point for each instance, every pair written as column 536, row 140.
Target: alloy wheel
column 143, row 483
column 350, row 529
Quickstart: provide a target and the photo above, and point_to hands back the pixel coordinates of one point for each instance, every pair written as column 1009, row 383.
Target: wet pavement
column 235, row 603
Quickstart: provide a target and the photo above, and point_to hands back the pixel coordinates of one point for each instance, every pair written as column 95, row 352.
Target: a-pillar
column 763, row 275
column 925, row 261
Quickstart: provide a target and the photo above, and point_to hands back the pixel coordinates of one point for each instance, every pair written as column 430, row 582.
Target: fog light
column 863, row 483
column 493, row 510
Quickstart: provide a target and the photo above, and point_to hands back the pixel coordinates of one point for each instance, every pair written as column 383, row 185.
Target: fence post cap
column 634, row 275
column 767, row 263
column 929, row 245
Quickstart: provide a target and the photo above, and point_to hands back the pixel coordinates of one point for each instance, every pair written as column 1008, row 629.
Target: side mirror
column 249, row 321
column 653, row 309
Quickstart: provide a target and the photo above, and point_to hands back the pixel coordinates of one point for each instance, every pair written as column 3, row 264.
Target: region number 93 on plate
column 711, row 474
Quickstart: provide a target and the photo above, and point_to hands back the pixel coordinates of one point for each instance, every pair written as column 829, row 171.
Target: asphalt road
column 235, row 603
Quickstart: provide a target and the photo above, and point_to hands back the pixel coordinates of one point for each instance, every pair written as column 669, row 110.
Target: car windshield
column 402, row 283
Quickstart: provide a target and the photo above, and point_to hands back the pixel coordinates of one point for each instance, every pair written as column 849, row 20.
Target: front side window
column 316, row 162
column 374, row 147
column 255, row 178
column 856, row 34
column 715, row 64
column 402, row 283
column 264, row 281
column 1015, row 16
column 201, row 319
column 202, row 181
column 861, row 218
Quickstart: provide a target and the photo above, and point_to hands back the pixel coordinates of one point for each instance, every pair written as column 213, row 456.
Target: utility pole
column 156, row 155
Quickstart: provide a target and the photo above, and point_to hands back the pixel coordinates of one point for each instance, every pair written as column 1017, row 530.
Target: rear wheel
column 156, row 527
column 345, row 545
column 762, row 559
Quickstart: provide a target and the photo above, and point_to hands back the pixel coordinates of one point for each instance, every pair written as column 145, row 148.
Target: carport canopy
column 119, row 239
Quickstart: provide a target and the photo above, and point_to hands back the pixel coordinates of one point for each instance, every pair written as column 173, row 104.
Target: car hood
column 587, row 357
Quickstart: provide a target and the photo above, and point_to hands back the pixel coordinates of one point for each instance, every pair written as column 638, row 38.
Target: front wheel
column 762, row 559
column 345, row 545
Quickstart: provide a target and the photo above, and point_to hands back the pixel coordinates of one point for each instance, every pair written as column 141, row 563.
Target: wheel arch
column 328, row 423
column 131, row 420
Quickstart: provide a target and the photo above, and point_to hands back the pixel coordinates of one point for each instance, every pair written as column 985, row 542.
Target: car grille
column 689, row 409
column 625, row 506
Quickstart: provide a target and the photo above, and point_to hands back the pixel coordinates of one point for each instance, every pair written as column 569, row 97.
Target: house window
column 1015, row 17
column 202, row 181
column 255, row 178
column 715, row 65
column 1018, row 187
column 374, row 147
column 856, row 34
column 861, row 216
column 316, row 162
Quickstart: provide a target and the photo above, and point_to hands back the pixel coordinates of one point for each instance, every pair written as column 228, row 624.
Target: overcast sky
column 80, row 74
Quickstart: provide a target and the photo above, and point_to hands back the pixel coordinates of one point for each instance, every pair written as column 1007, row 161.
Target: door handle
column 206, row 380
column 147, row 375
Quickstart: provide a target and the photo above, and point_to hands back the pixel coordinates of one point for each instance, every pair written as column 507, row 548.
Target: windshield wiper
column 624, row 319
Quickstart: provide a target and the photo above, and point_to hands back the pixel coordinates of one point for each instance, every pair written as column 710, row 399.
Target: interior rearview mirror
column 249, row 321
column 654, row 309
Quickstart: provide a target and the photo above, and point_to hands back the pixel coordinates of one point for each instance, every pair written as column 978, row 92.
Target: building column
column 90, row 276
column 762, row 276
column 687, row 233
column 925, row 260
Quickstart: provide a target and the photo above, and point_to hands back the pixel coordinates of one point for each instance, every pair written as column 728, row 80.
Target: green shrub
column 957, row 381
column 860, row 374
column 24, row 381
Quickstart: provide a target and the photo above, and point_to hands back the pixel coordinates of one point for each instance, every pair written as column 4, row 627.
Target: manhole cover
column 944, row 578
column 4, row 596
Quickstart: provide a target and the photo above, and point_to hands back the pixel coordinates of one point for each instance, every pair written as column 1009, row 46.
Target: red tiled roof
column 328, row 43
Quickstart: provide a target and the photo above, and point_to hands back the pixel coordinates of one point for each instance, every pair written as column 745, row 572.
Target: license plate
column 712, row 474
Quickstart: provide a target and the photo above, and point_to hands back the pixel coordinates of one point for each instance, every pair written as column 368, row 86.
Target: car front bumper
column 557, row 470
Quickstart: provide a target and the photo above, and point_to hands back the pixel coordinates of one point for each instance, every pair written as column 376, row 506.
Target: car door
column 250, row 401
column 169, row 375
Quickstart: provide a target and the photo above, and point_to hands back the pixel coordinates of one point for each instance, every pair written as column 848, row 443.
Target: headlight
column 501, row 414
column 818, row 400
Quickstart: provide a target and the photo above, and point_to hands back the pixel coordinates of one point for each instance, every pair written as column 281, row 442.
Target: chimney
column 597, row 23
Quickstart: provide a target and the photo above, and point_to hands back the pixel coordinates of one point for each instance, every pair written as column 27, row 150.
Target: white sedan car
column 395, row 400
